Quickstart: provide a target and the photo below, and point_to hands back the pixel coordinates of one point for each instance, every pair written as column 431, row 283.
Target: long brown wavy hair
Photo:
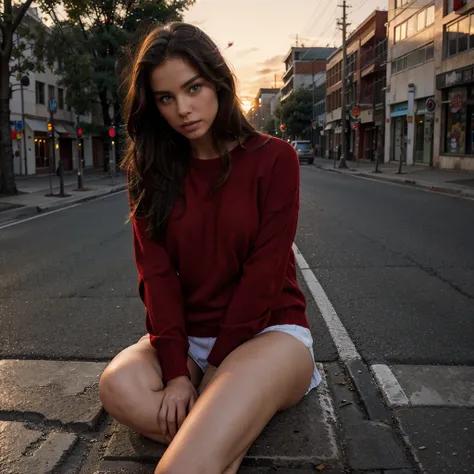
column 157, row 157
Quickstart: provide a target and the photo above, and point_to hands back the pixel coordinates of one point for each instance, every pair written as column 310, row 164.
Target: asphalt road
column 397, row 264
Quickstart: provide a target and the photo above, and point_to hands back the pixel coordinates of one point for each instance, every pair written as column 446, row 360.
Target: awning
column 338, row 130
column 60, row 129
column 37, row 125
column 71, row 130
column 329, row 126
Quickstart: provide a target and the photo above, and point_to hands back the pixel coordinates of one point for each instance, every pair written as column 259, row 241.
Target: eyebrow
column 186, row 84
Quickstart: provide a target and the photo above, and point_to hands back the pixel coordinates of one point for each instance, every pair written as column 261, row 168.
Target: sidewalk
column 459, row 183
column 34, row 193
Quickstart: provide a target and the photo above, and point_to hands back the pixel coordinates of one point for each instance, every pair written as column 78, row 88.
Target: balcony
column 373, row 59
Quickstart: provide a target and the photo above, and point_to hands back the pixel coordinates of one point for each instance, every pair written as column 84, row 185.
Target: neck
column 202, row 148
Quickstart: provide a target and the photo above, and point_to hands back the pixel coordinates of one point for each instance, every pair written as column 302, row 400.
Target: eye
column 195, row 88
column 166, row 99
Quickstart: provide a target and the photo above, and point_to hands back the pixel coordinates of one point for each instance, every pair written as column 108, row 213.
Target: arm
column 160, row 290
column 264, row 271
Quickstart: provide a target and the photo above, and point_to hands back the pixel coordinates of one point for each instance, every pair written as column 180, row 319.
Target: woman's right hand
column 179, row 398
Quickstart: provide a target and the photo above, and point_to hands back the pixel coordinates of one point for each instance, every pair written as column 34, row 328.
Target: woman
column 214, row 209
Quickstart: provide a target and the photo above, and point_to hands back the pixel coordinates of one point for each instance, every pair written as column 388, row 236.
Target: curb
column 30, row 211
column 404, row 182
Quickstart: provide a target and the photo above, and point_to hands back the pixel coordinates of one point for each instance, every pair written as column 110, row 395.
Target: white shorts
column 200, row 347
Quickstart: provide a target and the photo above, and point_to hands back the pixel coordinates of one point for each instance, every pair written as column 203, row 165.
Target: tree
column 270, row 127
column 296, row 112
column 91, row 38
column 10, row 19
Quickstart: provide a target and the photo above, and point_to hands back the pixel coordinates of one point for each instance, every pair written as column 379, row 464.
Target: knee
column 112, row 387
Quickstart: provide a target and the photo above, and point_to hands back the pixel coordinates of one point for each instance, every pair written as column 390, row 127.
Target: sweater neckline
column 216, row 163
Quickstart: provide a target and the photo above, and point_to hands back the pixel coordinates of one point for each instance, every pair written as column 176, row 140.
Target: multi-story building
column 319, row 112
column 301, row 64
column 454, row 93
column 365, row 77
column 31, row 107
column 261, row 111
column 410, row 81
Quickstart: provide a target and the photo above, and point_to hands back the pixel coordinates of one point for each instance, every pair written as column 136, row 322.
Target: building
column 319, row 112
column 301, row 64
column 31, row 110
column 365, row 77
column 454, row 84
column 410, row 81
column 261, row 112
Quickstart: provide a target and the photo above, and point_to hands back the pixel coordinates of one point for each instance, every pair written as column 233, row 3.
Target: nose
column 184, row 106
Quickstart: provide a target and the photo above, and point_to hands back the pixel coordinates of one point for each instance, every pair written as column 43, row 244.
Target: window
column 463, row 35
column 411, row 26
column 60, row 99
column 51, row 94
column 421, row 20
column 415, row 23
column 401, row 3
column 414, row 58
column 459, row 36
column 430, row 52
column 40, row 92
column 403, row 33
column 430, row 15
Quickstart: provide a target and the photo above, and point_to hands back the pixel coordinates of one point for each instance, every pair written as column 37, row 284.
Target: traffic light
column 79, row 132
column 112, row 132
column 50, row 127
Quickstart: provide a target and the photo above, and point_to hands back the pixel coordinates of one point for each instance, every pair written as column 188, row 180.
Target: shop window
column 456, row 121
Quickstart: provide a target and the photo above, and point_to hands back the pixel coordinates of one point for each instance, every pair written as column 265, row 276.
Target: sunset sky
column 264, row 30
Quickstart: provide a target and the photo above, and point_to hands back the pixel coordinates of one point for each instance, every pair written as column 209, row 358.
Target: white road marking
column 345, row 347
column 47, row 213
column 392, row 391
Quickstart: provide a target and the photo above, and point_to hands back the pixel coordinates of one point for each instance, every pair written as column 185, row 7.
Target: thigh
column 268, row 373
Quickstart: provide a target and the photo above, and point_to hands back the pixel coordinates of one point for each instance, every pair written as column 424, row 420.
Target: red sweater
column 226, row 268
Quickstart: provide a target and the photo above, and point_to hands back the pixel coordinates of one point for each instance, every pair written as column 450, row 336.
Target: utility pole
column 343, row 23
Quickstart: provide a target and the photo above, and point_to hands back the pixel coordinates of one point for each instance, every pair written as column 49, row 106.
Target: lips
column 191, row 126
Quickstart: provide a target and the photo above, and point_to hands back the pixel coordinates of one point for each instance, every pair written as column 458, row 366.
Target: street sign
column 430, row 105
column 355, row 111
column 53, row 105
column 19, row 126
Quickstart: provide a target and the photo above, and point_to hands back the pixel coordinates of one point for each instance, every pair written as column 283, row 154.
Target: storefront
column 424, row 129
column 457, row 132
column 399, row 131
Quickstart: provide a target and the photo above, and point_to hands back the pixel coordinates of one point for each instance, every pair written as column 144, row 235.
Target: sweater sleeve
column 264, row 271
column 160, row 291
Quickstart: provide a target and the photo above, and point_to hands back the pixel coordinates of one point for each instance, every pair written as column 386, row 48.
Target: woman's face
column 186, row 100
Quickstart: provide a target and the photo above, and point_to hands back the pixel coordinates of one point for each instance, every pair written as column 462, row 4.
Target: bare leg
column 269, row 373
column 131, row 388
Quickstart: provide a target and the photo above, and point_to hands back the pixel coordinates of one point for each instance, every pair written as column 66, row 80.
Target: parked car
column 304, row 150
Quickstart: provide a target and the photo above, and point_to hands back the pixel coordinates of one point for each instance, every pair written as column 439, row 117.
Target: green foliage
column 269, row 127
column 85, row 45
column 296, row 112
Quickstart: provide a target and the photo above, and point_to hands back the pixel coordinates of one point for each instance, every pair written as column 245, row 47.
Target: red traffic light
column 282, row 127
column 112, row 132
column 79, row 132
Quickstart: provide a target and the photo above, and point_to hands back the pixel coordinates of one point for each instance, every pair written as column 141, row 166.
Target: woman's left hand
column 208, row 376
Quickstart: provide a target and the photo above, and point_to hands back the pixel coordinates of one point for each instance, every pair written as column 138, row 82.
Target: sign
column 410, row 118
column 19, row 126
column 454, row 78
column 355, row 111
column 52, row 106
column 430, row 105
column 19, row 135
